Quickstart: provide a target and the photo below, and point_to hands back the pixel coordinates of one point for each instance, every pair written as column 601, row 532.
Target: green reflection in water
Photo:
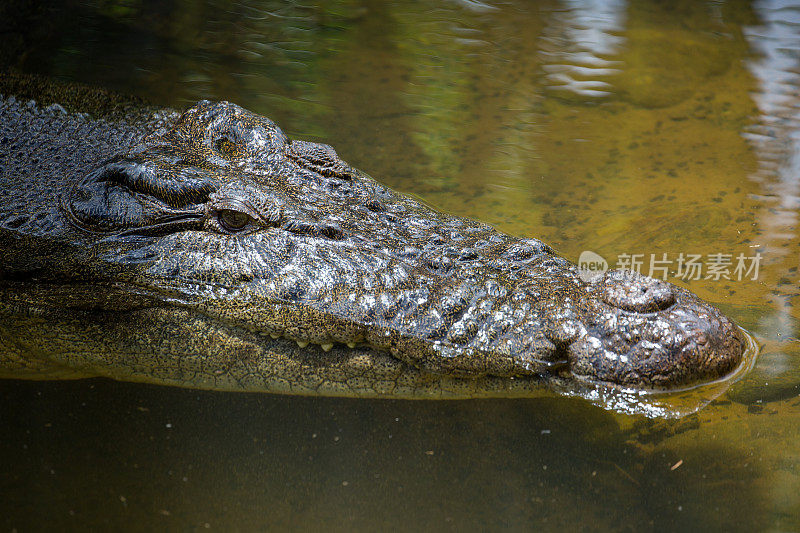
column 627, row 127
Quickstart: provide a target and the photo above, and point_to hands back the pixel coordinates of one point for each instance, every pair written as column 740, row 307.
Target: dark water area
column 648, row 132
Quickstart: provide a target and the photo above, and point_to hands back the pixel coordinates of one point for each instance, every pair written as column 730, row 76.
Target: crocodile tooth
column 327, row 347
column 274, row 335
column 351, row 345
column 302, row 344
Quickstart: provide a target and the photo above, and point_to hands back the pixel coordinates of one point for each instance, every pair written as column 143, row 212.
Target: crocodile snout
column 650, row 334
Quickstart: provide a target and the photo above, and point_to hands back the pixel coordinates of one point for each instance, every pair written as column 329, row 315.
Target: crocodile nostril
column 634, row 292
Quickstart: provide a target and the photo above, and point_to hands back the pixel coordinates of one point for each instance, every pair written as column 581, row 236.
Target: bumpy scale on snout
column 647, row 333
column 224, row 215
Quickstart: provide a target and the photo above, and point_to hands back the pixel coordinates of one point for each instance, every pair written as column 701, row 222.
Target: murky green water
column 617, row 127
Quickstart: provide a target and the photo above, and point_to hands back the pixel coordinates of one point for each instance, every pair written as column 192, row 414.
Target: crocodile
column 206, row 249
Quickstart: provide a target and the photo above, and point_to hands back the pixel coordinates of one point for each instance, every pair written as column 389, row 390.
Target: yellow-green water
column 617, row 127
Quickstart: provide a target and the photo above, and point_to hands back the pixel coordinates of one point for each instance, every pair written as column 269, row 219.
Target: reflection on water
column 576, row 44
column 636, row 127
column 775, row 137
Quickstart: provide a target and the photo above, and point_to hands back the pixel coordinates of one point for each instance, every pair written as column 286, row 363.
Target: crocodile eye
column 233, row 221
column 226, row 147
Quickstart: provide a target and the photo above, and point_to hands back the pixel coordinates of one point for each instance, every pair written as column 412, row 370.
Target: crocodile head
column 223, row 217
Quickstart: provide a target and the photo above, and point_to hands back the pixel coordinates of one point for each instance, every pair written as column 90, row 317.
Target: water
column 618, row 127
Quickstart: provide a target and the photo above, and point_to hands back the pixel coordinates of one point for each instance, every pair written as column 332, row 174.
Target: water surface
column 666, row 129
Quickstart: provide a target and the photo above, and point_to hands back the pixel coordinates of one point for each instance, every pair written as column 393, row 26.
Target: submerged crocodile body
column 207, row 250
